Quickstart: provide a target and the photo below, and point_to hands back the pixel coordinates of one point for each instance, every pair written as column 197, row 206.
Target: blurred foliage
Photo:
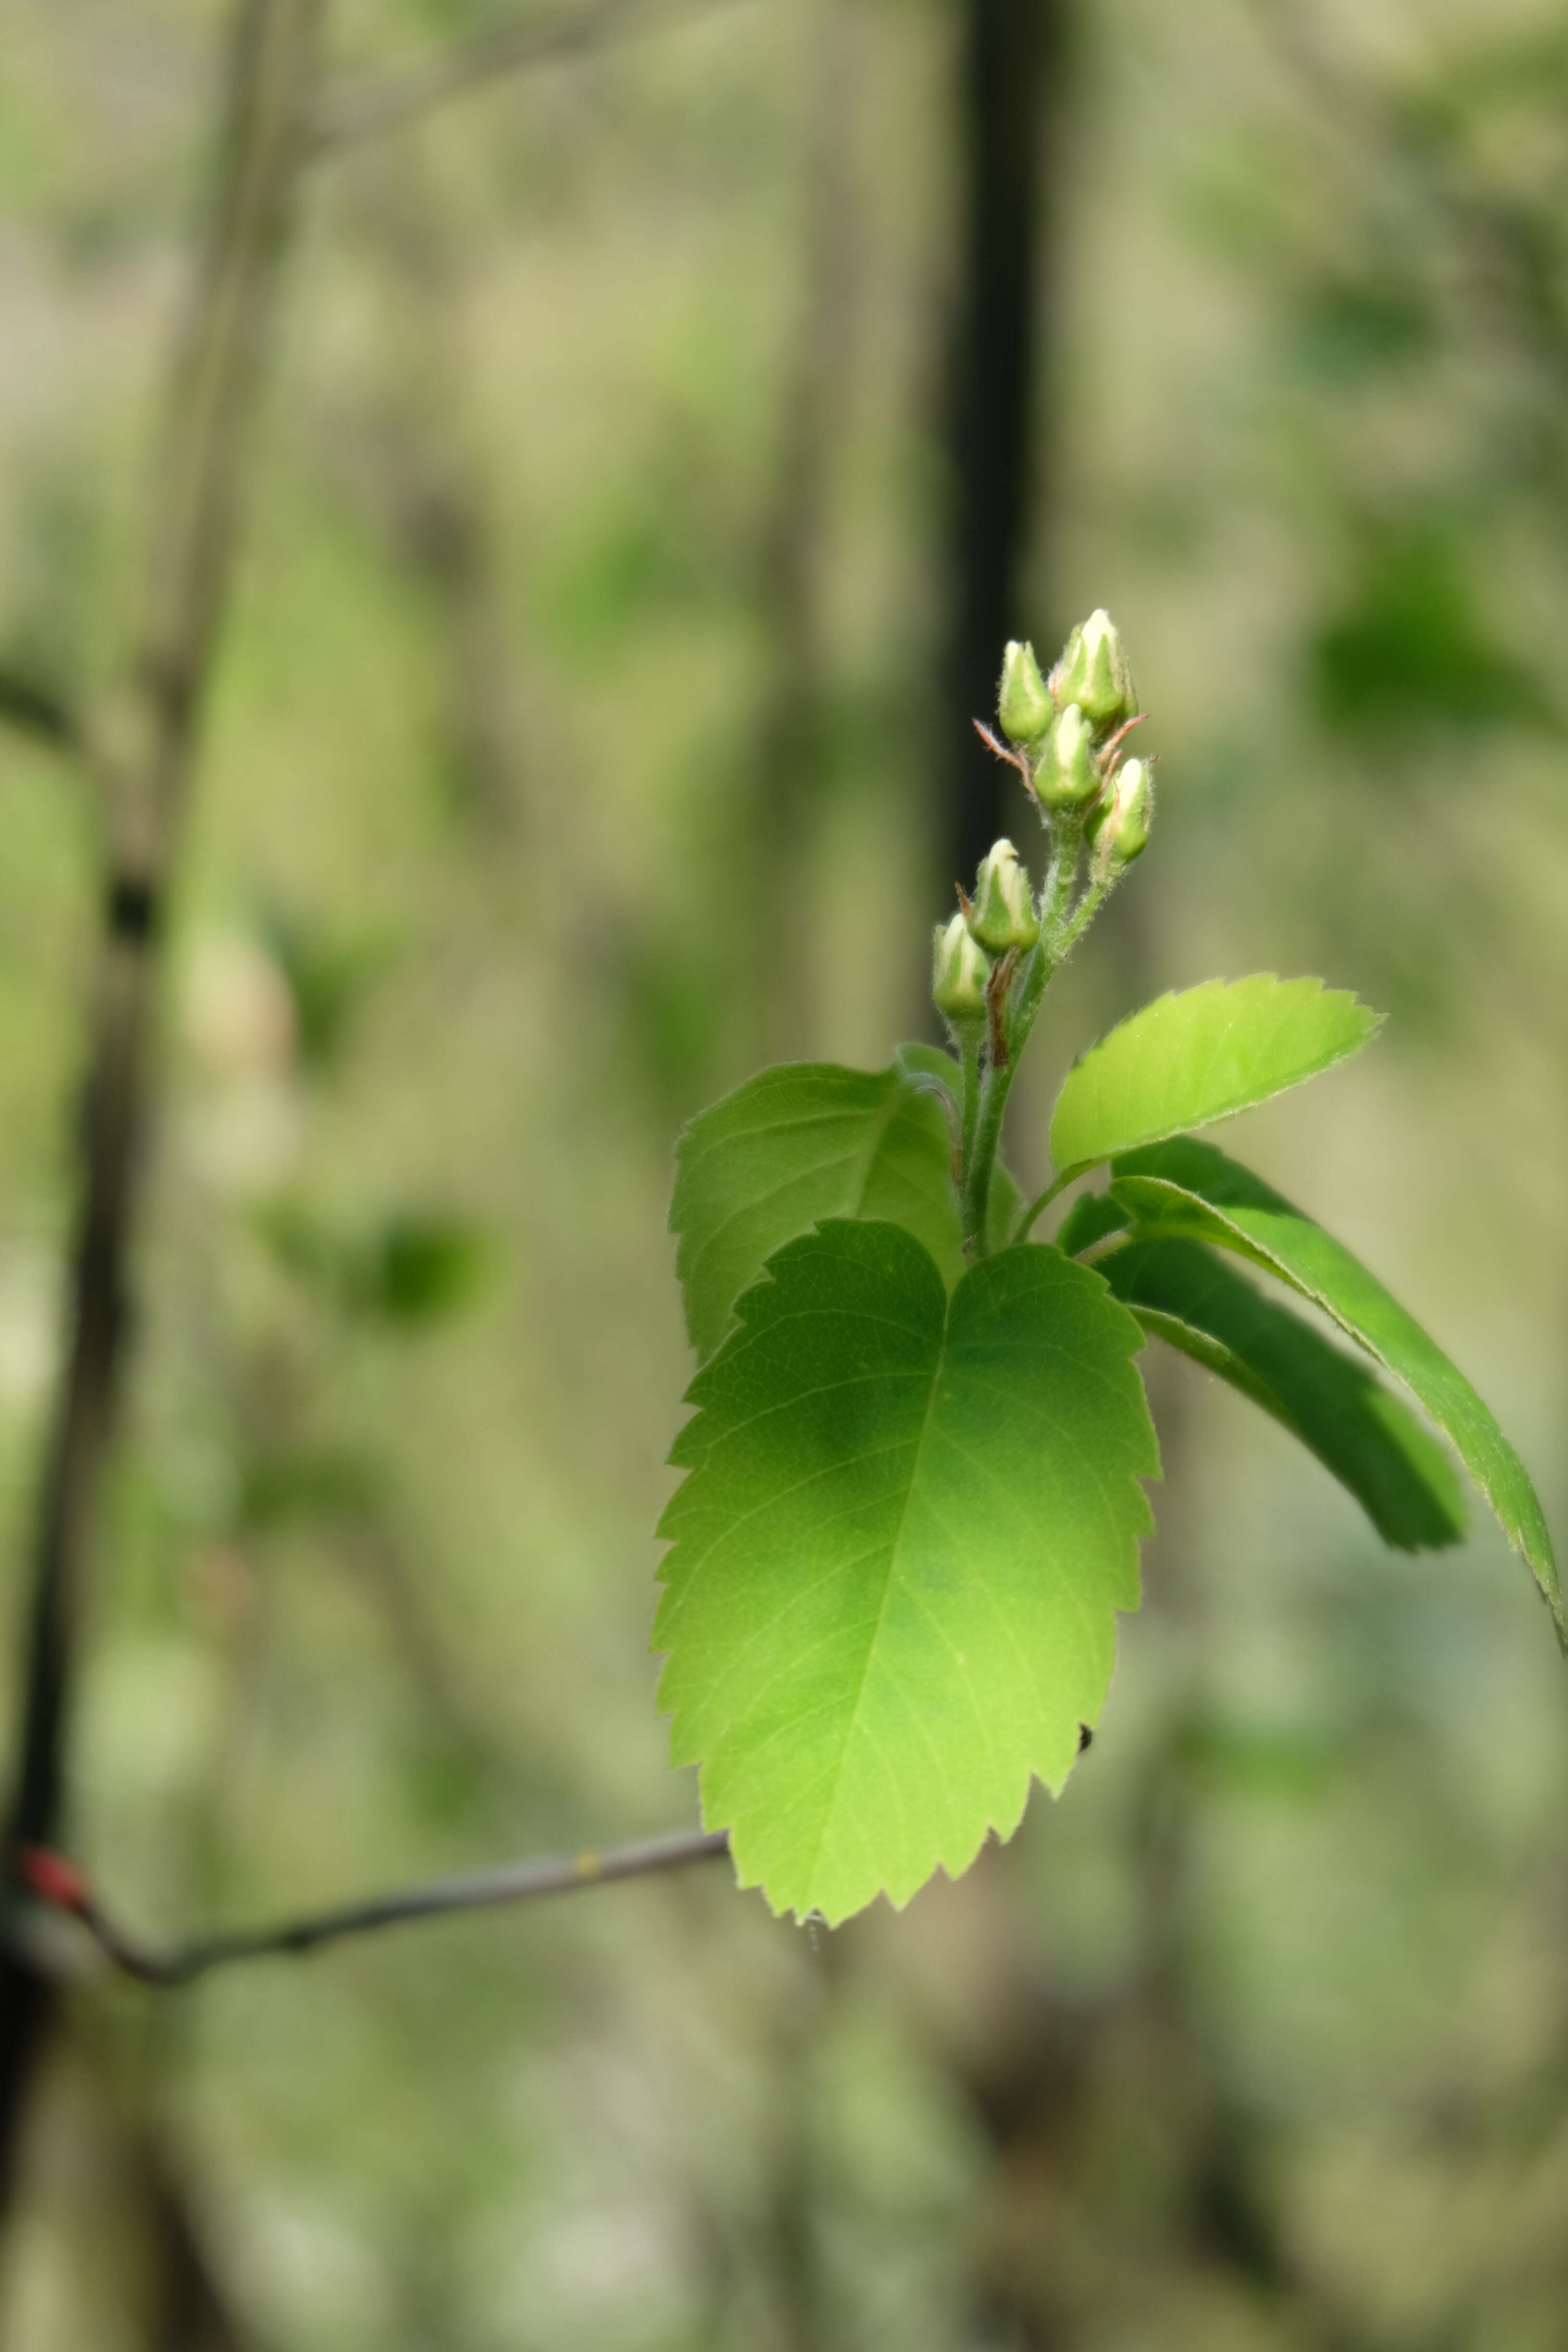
column 328, row 978
column 406, row 1269
column 1259, row 2038
column 1411, row 653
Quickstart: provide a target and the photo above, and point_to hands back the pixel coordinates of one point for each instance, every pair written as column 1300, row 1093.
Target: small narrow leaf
column 1187, row 1060
column 916, row 1059
column 1372, row 1444
column 921, row 1064
column 908, row 1525
column 1191, row 1189
column 808, row 1140
column 1093, row 1215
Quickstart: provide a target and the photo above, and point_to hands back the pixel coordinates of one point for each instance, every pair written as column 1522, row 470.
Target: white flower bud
column 1119, row 829
column 1023, row 705
column 960, row 970
column 1094, row 672
column 1067, row 776
column 1003, row 915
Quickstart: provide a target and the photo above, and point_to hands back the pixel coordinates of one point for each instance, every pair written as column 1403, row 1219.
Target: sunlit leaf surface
column 1187, row 1060
column 907, row 1526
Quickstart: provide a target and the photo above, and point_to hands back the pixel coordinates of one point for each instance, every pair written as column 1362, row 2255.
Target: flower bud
column 1094, row 672
column 1003, row 915
column 1067, row 776
column 960, row 970
column 1123, row 830
column 1023, row 705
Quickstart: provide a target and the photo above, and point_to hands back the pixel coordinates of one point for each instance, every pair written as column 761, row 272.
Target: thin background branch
column 32, row 709
column 143, row 753
column 361, row 110
column 58, row 1883
column 140, row 749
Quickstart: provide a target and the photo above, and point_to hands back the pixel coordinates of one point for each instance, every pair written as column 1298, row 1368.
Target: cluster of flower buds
column 1067, row 730
column 1000, row 919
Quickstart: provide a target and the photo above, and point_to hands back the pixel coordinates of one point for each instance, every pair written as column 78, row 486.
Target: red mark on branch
column 54, row 1880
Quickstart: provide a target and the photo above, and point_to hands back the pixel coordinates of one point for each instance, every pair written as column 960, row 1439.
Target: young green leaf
column 1093, row 1215
column 906, row 1528
column 808, row 1140
column 916, row 1059
column 1191, row 1189
column 1189, row 1059
column 1372, row 1444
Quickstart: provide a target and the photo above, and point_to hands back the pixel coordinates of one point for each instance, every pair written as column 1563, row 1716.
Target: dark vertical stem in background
column 1031, row 2060
column 789, row 746
column 142, row 751
column 1047, row 2065
column 1010, row 52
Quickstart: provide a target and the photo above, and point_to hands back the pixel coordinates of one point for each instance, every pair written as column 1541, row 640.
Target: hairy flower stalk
column 1067, row 735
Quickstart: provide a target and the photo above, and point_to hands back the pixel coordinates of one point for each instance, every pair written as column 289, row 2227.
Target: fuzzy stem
column 1083, row 914
column 971, row 1050
column 1059, row 929
column 1037, row 1208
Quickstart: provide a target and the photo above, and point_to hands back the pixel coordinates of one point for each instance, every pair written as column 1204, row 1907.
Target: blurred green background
column 576, row 742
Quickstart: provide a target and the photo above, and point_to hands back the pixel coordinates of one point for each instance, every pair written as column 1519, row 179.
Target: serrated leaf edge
column 1002, row 1824
column 1252, row 1102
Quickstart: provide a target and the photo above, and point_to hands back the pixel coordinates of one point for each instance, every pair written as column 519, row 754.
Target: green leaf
column 1191, row 1189
column 907, row 1526
column 809, row 1140
column 1092, row 1216
column 918, row 1060
column 1187, row 1060
column 1372, row 1444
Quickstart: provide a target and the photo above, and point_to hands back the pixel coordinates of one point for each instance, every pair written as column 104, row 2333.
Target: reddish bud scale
column 54, row 1880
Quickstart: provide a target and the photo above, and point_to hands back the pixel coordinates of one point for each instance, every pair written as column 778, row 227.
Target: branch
column 58, row 1884
column 365, row 108
column 34, row 710
column 144, row 764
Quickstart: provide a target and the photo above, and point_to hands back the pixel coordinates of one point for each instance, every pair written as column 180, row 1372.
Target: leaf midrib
column 894, row 1551
column 852, row 1715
